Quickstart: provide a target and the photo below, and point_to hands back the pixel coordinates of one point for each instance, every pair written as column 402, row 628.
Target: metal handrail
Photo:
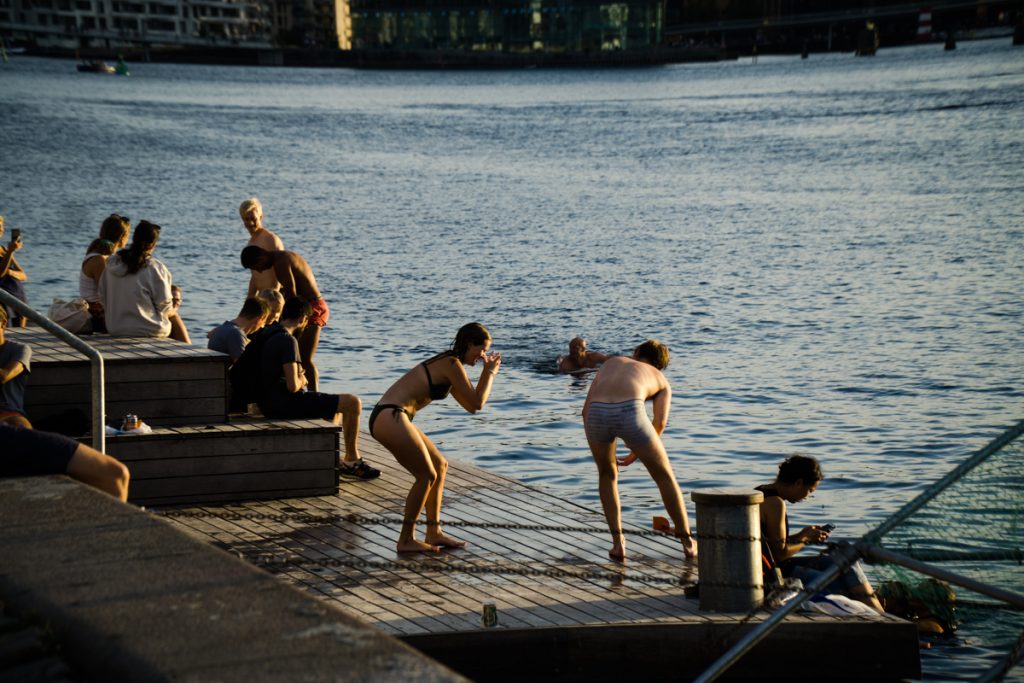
column 98, row 384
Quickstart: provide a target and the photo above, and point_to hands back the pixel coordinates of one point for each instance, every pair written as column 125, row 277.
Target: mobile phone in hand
column 15, row 234
column 828, row 528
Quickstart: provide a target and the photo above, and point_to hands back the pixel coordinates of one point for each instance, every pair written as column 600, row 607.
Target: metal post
column 729, row 563
column 99, row 419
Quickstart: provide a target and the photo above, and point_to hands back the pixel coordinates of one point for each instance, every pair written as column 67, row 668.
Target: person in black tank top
column 798, row 478
column 391, row 424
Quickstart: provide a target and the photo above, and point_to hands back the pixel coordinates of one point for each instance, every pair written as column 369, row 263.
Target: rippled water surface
column 832, row 248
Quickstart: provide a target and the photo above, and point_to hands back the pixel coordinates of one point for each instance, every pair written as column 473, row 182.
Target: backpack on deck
column 244, row 376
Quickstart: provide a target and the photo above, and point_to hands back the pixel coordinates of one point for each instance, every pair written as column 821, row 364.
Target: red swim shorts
column 321, row 314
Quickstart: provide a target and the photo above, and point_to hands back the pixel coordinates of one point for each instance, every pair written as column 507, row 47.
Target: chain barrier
column 282, row 564
column 334, row 518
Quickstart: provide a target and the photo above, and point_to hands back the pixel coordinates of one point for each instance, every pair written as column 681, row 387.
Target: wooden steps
column 245, row 459
column 163, row 381
column 195, row 453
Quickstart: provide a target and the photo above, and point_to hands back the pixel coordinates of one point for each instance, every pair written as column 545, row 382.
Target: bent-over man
column 615, row 409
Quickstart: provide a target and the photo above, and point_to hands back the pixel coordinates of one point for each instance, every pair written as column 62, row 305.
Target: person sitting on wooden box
column 28, row 452
column 15, row 365
column 231, row 336
column 281, row 391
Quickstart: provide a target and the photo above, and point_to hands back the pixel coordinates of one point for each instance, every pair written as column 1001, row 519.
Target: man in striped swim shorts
column 615, row 410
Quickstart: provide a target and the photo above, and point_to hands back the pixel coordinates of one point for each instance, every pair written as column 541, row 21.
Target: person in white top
column 113, row 236
column 135, row 289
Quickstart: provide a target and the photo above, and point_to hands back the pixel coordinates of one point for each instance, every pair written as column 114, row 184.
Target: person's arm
column 7, row 256
column 94, row 268
column 163, row 299
column 595, row 357
column 773, row 527
column 11, row 370
column 469, row 397
column 294, row 378
column 662, row 404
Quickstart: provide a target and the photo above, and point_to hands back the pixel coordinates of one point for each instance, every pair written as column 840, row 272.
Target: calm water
column 832, row 248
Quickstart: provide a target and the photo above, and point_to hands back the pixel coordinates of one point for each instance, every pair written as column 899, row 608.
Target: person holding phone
column 798, row 478
column 12, row 277
column 391, row 424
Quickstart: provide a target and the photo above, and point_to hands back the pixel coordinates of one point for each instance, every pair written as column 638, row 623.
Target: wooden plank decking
column 429, row 602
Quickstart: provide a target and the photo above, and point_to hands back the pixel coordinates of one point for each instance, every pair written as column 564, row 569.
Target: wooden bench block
column 163, row 381
column 242, row 460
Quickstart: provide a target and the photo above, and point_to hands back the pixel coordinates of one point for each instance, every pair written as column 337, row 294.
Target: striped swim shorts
column 626, row 420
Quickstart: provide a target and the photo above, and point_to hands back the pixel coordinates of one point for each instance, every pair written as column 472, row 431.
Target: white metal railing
column 98, row 392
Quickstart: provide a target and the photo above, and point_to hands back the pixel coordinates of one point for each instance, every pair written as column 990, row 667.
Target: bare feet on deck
column 618, row 552
column 444, row 541
column 689, row 546
column 414, row 546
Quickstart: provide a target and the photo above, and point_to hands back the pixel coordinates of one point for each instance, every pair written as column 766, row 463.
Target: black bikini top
column 437, row 391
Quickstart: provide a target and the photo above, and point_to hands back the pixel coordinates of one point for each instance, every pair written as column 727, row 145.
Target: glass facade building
column 554, row 26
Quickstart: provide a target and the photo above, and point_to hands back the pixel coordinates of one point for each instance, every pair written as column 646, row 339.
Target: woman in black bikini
column 391, row 424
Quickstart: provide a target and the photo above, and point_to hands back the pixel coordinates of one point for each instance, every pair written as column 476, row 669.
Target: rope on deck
column 398, row 522
column 283, row 564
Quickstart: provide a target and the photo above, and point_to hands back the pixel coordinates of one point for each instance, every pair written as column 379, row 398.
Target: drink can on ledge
column 130, row 422
column 490, row 614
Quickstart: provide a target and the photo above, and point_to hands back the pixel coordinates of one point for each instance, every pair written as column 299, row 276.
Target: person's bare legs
column 308, row 342
column 89, row 466
column 433, row 535
column 654, row 457
column 608, row 488
column 178, row 329
column 349, row 410
column 402, row 438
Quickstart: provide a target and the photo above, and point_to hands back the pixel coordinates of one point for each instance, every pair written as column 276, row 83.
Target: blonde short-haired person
column 614, row 409
column 251, row 212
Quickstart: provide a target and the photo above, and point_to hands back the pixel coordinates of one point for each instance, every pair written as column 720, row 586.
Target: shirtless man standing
column 615, row 409
column 251, row 212
column 297, row 280
column 579, row 358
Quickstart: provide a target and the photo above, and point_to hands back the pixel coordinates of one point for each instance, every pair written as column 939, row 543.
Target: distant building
column 552, row 27
column 113, row 23
column 502, row 25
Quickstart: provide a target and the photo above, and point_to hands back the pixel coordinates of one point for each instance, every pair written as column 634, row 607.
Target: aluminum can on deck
column 490, row 614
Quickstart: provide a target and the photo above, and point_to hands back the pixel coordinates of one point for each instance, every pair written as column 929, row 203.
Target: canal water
column 833, row 248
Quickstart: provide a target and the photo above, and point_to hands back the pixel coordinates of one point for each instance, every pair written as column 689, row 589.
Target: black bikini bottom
column 396, row 409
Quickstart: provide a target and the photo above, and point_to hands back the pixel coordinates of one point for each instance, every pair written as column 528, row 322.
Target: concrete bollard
column 729, row 541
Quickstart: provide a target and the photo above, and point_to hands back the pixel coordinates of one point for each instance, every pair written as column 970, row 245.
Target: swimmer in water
column 579, row 358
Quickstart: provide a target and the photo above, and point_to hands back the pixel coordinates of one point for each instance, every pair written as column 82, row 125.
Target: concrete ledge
column 128, row 597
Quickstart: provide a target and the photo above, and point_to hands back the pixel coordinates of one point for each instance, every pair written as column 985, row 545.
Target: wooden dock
column 565, row 612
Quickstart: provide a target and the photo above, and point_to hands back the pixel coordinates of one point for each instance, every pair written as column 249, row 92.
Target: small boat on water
column 96, row 67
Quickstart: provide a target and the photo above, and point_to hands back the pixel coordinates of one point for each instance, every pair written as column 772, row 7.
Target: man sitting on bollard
column 798, row 478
